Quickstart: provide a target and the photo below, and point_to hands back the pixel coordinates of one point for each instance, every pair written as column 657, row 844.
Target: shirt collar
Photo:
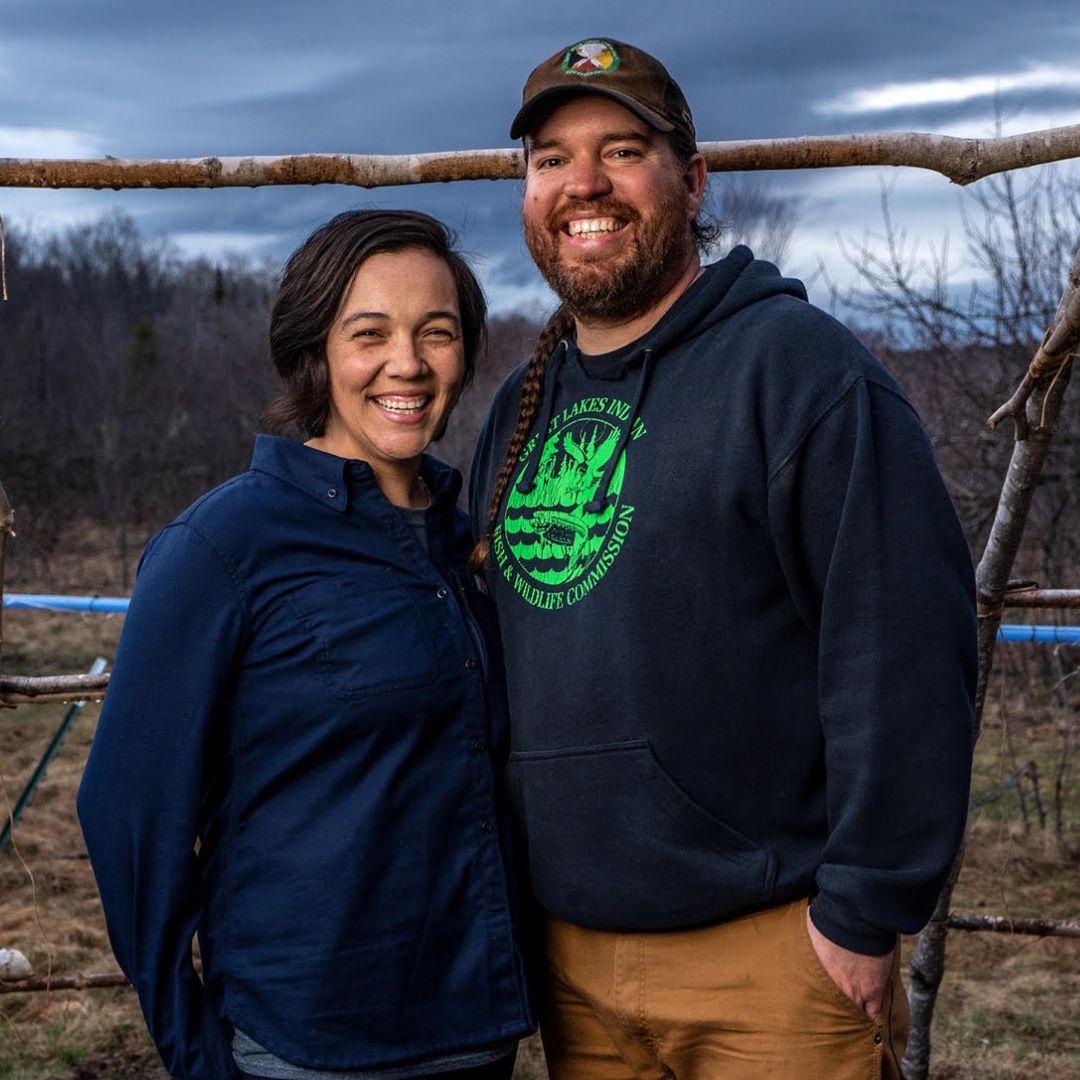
column 327, row 477
column 320, row 475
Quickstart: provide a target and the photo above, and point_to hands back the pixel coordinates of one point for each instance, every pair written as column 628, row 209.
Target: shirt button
column 471, row 664
column 442, row 593
column 485, row 825
column 332, row 493
column 479, row 745
column 877, row 1037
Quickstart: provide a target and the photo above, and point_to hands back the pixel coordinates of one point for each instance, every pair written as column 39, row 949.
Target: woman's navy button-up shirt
column 303, row 688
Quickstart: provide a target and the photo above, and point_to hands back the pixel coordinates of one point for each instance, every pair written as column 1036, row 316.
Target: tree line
column 133, row 379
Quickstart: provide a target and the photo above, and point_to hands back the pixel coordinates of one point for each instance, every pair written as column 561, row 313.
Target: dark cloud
column 177, row 80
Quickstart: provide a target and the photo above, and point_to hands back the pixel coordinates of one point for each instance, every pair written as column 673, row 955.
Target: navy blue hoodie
column 738, row 616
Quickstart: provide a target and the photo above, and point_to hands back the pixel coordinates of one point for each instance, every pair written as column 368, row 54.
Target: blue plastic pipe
column 1054, row 635
column 1041, row 635
column 107, row 604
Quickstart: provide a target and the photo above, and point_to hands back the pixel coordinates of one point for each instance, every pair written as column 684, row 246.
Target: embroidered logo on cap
column 590, row 58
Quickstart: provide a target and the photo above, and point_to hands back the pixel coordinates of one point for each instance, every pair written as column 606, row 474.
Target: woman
column 299, row 755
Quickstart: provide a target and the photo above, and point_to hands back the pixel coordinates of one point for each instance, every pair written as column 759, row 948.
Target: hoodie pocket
column 615, row 843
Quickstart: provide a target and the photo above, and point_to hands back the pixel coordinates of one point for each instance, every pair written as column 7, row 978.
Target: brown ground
column 1007, row 1009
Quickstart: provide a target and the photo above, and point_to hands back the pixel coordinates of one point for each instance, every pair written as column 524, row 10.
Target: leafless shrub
column 959, row 331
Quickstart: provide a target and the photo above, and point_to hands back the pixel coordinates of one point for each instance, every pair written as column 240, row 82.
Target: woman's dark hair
column 313, row 283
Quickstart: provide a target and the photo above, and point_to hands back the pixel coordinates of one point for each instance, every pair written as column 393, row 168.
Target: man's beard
column 614, row 287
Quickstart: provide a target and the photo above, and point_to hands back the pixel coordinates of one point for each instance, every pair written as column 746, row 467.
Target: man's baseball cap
column 630, row 76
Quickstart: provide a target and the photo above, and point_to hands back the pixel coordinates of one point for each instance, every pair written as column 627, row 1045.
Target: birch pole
column 1034, row 409
column 7, row 528
column 960, row 160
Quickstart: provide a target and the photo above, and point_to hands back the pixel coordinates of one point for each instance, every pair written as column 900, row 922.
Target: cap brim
column 527, row 113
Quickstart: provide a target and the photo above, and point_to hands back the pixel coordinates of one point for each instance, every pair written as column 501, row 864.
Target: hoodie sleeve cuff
column 843, row 927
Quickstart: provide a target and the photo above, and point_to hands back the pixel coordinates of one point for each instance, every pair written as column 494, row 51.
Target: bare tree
column 957, row 329
column 753, row 212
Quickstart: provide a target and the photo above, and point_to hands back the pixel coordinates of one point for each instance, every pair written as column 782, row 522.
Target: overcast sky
column 150, row 78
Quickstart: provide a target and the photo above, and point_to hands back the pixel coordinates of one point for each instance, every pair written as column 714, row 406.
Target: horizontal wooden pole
column 357, row 170
column 29, row 689
column 40, row 983
column 1000, row 924
column 960, row 160
column 1043, row 598
column 43, row 983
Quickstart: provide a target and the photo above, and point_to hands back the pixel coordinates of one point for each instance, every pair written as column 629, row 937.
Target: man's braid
column 532, row 393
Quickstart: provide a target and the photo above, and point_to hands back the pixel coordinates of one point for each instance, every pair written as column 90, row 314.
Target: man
column 738, row 618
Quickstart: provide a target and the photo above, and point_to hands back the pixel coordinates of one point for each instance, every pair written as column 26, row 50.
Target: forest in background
column 134, row 380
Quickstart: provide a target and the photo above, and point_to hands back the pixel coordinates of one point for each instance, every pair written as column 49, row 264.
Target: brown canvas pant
column 741, row 1000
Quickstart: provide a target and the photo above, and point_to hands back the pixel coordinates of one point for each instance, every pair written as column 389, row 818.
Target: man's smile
column 592, row 226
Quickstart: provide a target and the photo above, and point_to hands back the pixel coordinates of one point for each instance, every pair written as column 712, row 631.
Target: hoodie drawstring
column 600, row 498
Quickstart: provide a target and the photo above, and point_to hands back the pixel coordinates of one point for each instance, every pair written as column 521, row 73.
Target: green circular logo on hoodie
column 561, row 535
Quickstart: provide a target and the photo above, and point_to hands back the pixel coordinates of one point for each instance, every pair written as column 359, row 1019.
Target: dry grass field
column 1008, row 1008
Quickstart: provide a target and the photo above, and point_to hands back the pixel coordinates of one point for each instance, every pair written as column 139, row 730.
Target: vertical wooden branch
column 1035, row 409
column 7, row 528
column 3, row 260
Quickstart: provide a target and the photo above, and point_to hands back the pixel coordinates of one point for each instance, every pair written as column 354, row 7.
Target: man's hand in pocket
column 862, row 978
